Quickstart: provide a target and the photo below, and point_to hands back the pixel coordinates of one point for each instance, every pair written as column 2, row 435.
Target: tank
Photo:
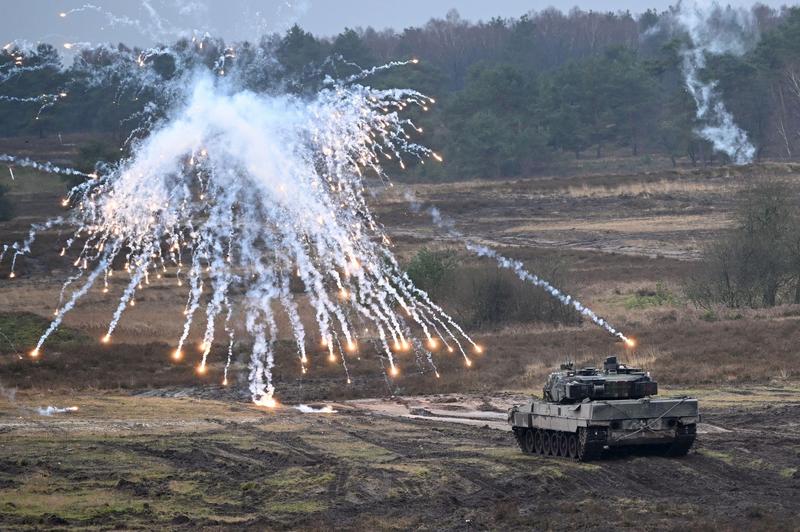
column 588, row 412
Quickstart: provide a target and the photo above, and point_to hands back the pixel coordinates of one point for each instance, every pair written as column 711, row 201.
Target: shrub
column 432, row 270
column 758, row 263
column 21, row 330
column 645, row 298
column 482, row 295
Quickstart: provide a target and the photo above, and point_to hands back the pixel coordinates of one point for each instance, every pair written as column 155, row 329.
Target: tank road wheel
column 556, row 444
column 546, row 441
column 528, row 446
column 563, row 448
column 538, row 441
column 572, row 445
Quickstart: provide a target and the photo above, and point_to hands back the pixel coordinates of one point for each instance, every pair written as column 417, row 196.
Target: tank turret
column 614, row 381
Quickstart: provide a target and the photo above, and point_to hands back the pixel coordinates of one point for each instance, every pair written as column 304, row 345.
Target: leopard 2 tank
column 587, row 412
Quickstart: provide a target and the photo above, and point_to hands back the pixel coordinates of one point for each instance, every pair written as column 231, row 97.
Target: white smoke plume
column 714, row 30
column 10, row 394
column 327, row 409
column 50, row 410
column 233, row 188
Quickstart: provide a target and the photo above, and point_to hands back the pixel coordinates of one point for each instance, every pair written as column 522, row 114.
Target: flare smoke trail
column 327, row 409
column 237, row 190
column 519, row 269
column 714, row 30
column 50, row 410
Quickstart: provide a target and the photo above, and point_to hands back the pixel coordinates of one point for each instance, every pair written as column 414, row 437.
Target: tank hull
column 665, row 425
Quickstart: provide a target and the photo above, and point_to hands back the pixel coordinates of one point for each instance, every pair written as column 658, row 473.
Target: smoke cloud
column 713, row 30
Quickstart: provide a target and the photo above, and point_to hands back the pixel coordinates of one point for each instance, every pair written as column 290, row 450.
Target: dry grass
column 645, row 188
column 679, row 343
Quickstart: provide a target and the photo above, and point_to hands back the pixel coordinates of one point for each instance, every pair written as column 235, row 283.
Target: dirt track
column 140, row 462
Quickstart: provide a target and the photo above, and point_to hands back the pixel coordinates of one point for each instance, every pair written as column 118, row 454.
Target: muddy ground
column 184, row 463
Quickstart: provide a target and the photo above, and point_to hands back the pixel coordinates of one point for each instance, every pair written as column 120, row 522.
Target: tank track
column 584, row 446
column 684, row 440
column 588, row 444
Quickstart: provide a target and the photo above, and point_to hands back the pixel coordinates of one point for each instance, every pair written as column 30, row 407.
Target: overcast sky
column 132, row 22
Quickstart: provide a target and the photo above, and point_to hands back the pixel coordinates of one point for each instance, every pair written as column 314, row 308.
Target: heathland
column 154, row 443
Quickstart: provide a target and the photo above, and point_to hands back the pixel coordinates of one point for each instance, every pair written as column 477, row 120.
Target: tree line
column 512, row 94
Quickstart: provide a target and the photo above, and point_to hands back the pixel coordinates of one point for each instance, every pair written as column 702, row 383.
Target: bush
column 6, row 208
column 432, row 271
column 758, row 263
column 482, row 295
column 21, row 330
column 645, row 298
